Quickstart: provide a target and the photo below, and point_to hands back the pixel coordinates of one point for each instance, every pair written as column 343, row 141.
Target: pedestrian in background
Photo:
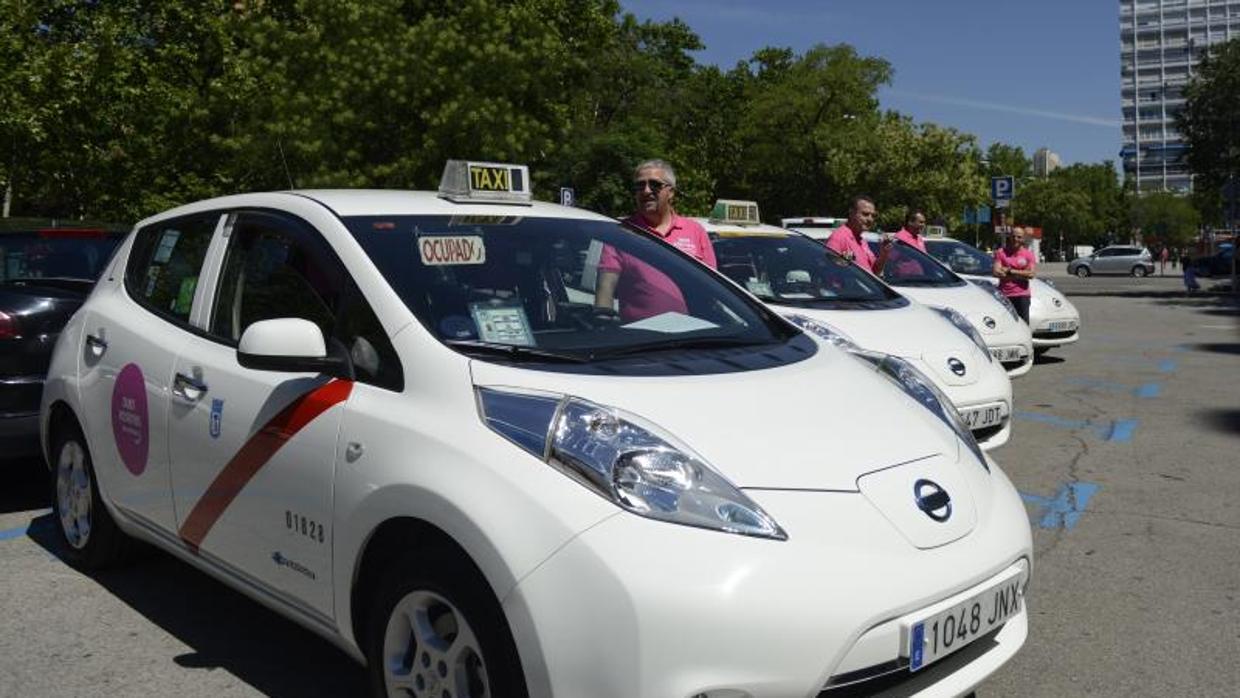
column 1162, row 261
column 847, row 239
column 1014, row 267
column 1175, row 257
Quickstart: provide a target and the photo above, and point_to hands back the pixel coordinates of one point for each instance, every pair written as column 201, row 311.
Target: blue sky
column 1031, row 73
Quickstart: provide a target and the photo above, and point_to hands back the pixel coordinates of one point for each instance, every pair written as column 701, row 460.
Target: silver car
column 1117, row 259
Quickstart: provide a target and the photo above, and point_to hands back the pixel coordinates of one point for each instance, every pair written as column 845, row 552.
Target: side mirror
column 291, row 345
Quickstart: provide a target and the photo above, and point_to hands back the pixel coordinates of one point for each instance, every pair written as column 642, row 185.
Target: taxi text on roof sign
column 729, row 211
column 469, row 181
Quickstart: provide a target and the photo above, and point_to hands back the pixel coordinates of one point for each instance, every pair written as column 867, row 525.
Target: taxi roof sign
column 485, row 182
column 733, row 211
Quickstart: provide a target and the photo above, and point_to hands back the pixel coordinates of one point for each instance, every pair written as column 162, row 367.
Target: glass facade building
column 1161, row 41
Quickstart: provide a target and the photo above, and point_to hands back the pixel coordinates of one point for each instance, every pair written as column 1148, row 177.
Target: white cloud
column 1009, row 108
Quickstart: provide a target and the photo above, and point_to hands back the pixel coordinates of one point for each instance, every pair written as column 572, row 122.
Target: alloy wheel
column 430, row 651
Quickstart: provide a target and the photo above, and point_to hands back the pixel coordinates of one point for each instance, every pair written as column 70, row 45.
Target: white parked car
column 1053, row 319
column 922, row 278
column 816, row 227
column 382, row 414
column 827, row 294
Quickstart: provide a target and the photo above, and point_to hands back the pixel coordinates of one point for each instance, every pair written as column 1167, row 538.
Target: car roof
column 383, row 202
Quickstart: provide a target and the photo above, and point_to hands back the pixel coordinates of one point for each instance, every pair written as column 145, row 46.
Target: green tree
column 1210, row 123
column 1167, row 218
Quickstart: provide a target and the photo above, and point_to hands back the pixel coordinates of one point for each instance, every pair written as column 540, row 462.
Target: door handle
column 97, row 344
column 188, row 387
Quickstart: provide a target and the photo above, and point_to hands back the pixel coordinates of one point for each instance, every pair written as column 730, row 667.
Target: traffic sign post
column 1002, row 189
column 567, row 196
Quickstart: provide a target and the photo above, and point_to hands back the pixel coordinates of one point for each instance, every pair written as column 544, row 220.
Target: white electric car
column 922, row 278
column 790, row 272
column 1052, row 317
column 382, row 414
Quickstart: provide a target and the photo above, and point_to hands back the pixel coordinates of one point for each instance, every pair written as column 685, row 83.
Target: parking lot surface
column 1126, row 450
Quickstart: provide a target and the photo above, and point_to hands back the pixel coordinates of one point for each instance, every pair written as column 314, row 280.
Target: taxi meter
column 738, row 212
column 466, row 180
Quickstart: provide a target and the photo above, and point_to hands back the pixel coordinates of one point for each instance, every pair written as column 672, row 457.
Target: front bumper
column 19, row 415
column 634, row 607
column 1044, row 333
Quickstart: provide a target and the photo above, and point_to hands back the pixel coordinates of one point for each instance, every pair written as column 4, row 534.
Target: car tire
column 435, row 628
column 89, row 536
column 1139, row 271
column 1082, row 271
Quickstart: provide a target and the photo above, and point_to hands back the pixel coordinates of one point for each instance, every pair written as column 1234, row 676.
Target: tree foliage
column 123, row 108
column 1210, row 119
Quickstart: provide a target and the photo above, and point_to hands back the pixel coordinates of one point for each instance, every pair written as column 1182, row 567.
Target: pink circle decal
column 130, row 418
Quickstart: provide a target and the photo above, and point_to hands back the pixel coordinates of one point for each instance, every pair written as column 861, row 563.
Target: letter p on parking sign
column 1002, row 189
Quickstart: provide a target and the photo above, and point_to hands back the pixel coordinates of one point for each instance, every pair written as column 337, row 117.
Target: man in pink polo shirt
column 642, row 290
column 914, row 225
column 1014, row 265
column 847, row 240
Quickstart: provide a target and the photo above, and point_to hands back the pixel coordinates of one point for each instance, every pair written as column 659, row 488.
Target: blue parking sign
column 1002, row 189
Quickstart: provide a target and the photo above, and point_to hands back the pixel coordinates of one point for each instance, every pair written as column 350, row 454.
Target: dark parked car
column 45, row 275
column 1216, row 265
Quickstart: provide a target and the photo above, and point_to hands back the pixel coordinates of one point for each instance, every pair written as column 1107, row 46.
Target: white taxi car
column 382, row 414
column 922, row 278
column 826, row 294
column 1052, row 317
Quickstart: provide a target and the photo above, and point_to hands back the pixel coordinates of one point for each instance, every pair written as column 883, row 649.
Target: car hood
column 977, row 306
column 817, row 424
column 911, row 332
column 1049, row 302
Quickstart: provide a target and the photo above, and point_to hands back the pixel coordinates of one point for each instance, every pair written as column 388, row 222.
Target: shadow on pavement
column 1047, row 359
column 26, row 485
column 1221, row 420
column 1219, row 348
column 223, row 628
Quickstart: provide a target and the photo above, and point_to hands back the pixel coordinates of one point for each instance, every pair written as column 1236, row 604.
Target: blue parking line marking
column 1167, row 366
column 1123, row 430
column 1065, row 508
column 11, row 533
column 1119, row 430
column 1148, row 390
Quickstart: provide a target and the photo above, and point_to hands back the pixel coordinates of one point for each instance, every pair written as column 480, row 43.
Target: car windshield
column 909, row 266
column 58, row 253
column 961, row 258
column 553, row 289
column 794, row 270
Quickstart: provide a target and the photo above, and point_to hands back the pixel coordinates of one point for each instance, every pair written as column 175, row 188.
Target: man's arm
column 605, row 289
column 998, row 270
column 884, row 249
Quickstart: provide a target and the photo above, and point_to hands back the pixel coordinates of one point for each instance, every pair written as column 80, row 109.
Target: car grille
column 893, row 675
column 1047, row 334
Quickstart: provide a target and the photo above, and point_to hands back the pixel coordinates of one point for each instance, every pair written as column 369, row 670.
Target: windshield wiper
column 686, row 343
column 515, row 351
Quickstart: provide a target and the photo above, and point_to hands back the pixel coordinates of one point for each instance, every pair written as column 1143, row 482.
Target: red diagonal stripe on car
column 255, row 453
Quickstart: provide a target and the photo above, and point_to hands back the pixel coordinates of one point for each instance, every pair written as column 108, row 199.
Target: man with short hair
column 643, row 290
column 847, row 239
column 914, row 226
column 1014, row 267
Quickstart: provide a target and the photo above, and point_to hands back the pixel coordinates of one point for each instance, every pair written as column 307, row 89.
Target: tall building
column 1161, row 41
column 1045, row 161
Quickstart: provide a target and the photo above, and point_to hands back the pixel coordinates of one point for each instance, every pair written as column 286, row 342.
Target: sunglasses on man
column 656, row 185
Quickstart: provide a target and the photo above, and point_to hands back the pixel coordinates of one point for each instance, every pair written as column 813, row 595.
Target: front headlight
column 825, row 332
column 923, row 390
column 967, row 328
column 625, row 460
column 994, row 291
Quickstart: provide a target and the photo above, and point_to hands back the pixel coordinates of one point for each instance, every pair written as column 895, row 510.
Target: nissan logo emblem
column 933, row 500
column 989, row 322
column 1058, row 302
column 957, row 366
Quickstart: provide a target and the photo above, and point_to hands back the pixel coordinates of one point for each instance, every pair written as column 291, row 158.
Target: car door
column 254, row 452
column 1105, row 263
column 135, row 324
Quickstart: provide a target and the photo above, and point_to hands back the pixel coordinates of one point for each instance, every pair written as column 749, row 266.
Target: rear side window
column 166, row 260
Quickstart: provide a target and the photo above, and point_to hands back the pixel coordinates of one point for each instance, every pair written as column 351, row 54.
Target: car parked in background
column 1116, row 259
column 1216, row 265
column 1052, row 317
column 45, row 275
column 818, row 228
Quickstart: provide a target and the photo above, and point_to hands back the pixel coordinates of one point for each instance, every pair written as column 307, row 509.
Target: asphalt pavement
column 1126, row 449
